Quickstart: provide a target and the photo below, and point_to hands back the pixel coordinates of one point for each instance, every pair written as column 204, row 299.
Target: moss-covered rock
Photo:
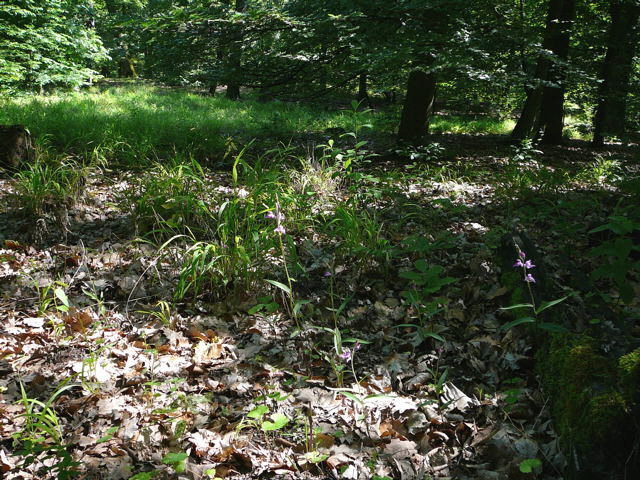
column 629, row 372
column 593, row 397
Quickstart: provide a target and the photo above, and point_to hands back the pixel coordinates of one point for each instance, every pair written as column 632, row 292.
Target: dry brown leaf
column 204, row 352
column 324, row 441
column 78, row 320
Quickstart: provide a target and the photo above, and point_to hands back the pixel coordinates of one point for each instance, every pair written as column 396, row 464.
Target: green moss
column 605, row 412
column 576, row 374
column 592, row 397
column 629, row 372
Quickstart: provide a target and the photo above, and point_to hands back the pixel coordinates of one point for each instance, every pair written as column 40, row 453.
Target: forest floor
column 292, row 315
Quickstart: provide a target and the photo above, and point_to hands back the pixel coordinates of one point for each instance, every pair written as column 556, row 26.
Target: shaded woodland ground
column 197, row 288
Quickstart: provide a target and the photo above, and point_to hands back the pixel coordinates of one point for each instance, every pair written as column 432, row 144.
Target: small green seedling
column 178, row 460
column 529, row 465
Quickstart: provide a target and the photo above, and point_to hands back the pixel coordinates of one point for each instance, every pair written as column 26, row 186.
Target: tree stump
column 15, row 146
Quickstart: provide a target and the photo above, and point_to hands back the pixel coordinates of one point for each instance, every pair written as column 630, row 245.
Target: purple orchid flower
column 346, row 354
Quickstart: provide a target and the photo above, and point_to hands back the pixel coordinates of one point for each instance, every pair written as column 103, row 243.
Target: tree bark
column 556, row 40
column 235, row 56
column 529, row 119
column 126, row 69
column 363, row 94
column 611, row 112
column 552, row 105
column 418, row 106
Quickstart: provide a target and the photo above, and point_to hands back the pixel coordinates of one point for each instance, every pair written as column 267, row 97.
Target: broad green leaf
column 281, row 286
column 258, row 412
column 316, row 457
column 550, row 304
column 421, row 265
column 279, row 420
column 518, row 321
column 426, row 333
column 528, row 465
column 62, row 296
column 552, row 327
column 411, row 275
column 174, row 457
column 351, row 396
column 255, row 308
column 298, row 306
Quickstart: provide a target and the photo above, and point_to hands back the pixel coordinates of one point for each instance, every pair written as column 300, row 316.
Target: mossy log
column 15, row 146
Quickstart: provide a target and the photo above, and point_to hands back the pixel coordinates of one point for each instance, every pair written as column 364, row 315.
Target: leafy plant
column 425, row 281
column 261, row 416
column 265, row 304
column 528, row 465
column 342, row 355
column 524, row 175
column 177, row 460
column 48, row 185
column 362, row 234
column 617, row 253
column 525, row 265
column 162, row 312
column 52, row 296
column 168, row 201
column 345, row 161
column 41, row 437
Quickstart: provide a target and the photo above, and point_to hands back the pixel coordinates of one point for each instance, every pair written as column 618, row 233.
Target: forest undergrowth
column 197, row 288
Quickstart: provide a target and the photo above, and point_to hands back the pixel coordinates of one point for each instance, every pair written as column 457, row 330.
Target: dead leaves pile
column 139, row 388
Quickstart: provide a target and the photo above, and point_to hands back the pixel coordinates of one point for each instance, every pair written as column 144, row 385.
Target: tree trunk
column 552, row 105
column 556, row 35
column 363, row 94
column 235, row 56
column 529, row 119
column 126, row 69
column 15, row 146
column 611, row 111
column 418, row 105
column 233, row 91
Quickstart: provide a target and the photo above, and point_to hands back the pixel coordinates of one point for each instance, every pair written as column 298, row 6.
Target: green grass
column 134, row 124
column 471, row 125
column 48, row 184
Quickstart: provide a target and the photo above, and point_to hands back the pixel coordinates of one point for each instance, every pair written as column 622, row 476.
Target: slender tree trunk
column 611, row 111
column 418, row 106
column 552, row 105
column 556, row 32
column 234, row 66
column 529, row 119
column 363, row 94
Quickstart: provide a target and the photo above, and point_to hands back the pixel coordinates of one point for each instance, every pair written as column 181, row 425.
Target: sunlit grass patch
column 471, row 125
column 134, row 124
